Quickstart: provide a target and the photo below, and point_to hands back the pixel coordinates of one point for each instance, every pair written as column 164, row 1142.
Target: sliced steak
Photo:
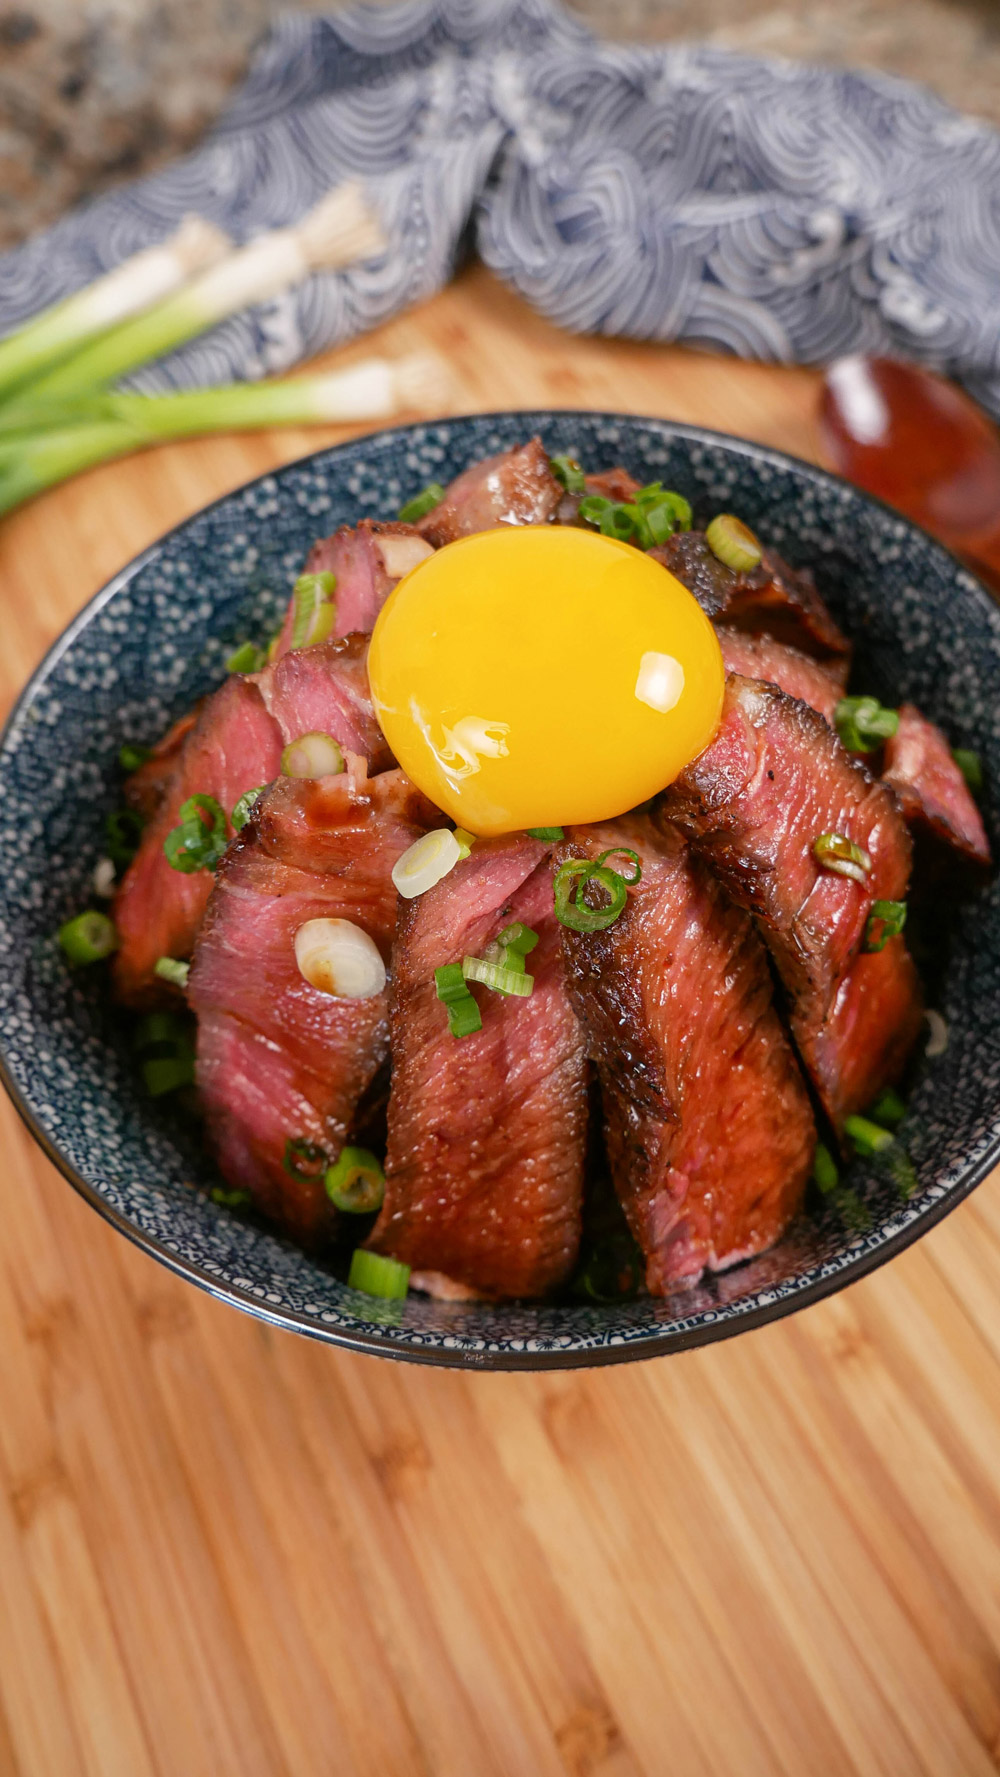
column 774, row 778
column 516, row 487
column 919, row 764
column 709, row 1130
column 234, row 746
column 761, row 657
column 366, row 561
column 146, row 786
column 277, row 1060
column 773, row 597
column 484, row 1169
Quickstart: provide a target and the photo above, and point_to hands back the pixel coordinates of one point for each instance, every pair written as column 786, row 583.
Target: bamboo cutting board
column 230, row 1552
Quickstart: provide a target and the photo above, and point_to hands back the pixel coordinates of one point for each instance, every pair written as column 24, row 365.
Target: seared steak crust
column 761, row 657
column 774, row 778
column 709, row 1130
column 919, row 765
column 772, row 597
column 516, row 487
column 484, row 1168
column 277, row 1059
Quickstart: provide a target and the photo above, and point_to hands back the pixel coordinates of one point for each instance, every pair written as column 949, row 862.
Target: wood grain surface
column 230, row 1552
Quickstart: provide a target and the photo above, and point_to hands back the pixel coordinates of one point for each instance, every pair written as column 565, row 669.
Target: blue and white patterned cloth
column 764, row 208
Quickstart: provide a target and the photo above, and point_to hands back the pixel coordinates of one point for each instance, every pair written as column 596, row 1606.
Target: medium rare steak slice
column 278, row 1061
column 484, row 1170
column 709, row 1129
column 773, row 597
column 774, row 778
column 366, row 561
column 146, row 786
column 234, row 746
column 919, row 764
column 516, row 487
column 761, row 657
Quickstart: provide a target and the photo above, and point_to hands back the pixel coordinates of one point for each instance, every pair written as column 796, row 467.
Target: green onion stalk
column 136, row 285
column 338, row 231
column 42, row 443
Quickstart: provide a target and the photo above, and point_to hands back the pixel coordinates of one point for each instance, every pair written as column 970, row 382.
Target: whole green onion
column 131, row 756
column 303, row 1159
column 88, row 938
column 244, row 807
column 575, row 875
column 971, row 767
column 355, row 1184
column 835, row 852
column 130, row 288
column 169, row 968
column 886, row 920
column 422, row 503
column 375, row 1275
column 200, row 839
column 568, row 471
column 864, row 724
column 733, row 543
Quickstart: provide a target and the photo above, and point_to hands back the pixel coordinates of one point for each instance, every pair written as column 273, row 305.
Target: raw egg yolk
column 541, row 676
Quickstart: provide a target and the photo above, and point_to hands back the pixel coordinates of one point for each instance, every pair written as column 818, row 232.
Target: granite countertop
column 93, row 94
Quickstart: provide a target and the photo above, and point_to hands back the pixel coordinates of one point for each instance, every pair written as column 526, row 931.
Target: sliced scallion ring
column 88, row 938
column 422, row 503
column 494, row 975
column 312, row 755
column 355, row 1183
column 313, row 610
column 886, row 920
column 624, row 851
column 427, row 861
column 838, row 854
column 568, row 471
column 244, row 807
column 864, row 724
column 170, row 968
column 247, row 658
column 733, row 543
column 375, row 1275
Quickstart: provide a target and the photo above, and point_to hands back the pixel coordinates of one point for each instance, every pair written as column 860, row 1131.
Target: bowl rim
column 661, row 1343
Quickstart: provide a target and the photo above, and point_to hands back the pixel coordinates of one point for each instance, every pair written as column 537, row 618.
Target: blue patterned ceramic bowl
column 155, row 639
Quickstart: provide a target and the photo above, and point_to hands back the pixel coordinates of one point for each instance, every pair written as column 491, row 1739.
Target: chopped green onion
column 888, row 1108
column 662, row 512
column 867, row 1136
column 375, row 1275
column 886, row 920
column 88, row 938
column 518, row 938
column 623, row 851
column 356, row 1183
column 123, row 831
column 199, row 841
column 244, row 807
column 568, row 471
column 169, row 968
column 825, row 1169
column 429, row 860
column 864, row 724
column 131, row 755
column 465, row 841
column 971, row 767
column 422, row 503
column 312, row 755
column 230, row 1199
column 247, row 658
column 733, row 543
column 314, row 613
column 576, row 874
column 163, row 1043
column 464, row 1016
column 835, row 852
column 549, row 834
column 647, row 520
column 495, row 976
column 303, row 1159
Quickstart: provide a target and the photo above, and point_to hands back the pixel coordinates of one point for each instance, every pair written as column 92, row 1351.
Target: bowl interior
column 156, row 639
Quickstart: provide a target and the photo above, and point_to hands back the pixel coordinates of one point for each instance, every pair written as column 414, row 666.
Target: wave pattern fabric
column 682, row 193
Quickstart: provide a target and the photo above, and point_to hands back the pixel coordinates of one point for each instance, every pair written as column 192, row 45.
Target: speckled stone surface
column 93, row 93
column 156, row 639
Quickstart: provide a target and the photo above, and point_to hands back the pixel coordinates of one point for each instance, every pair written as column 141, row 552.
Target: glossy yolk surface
column 543, row 675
